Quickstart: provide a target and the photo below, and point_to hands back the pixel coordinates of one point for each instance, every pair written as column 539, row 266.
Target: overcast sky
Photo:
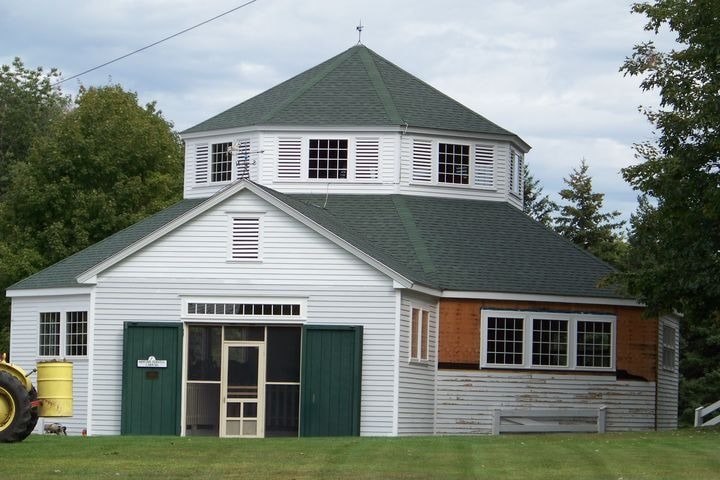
column 545, row 69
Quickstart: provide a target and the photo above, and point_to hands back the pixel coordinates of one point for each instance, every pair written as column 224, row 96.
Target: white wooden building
column 350, row 257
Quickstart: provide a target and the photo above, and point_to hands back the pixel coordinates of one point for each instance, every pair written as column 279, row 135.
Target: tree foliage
column 103, row 165
column 582, row 221
column 675, row 245
column 538, row 206
column 678, row 269
column 29, row 104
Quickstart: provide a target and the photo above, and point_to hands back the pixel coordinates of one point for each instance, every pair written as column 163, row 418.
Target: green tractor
column 20, row 403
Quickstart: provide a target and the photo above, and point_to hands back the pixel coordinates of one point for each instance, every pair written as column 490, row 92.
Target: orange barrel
column 54, row 385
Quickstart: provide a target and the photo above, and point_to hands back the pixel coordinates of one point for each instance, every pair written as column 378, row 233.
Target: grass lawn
column 685, row 454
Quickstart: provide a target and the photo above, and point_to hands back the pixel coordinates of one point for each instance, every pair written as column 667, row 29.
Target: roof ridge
column 332, row 64
column 379, row 84
column 416, row 241
column 466, row 108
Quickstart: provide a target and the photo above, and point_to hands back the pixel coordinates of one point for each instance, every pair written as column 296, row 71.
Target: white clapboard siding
column 668, row 378
column 416, row 399
column 296, row 263
column 466, row 399
column 488, row 179
column 24, row 350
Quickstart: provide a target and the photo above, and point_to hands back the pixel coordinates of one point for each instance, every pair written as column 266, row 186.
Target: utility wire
column 156, row 43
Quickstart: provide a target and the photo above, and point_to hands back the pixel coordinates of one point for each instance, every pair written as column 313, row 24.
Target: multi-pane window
column 453, row 163
column 221, row 162
column 504, row 341
column 245, row 309
column 49, row 333
column 419, row 334
column 70, row 336
column 547, row 340
column 594, row 344
column 328, row 159
column 550, row 342
column 669, row 348
column 76, row 333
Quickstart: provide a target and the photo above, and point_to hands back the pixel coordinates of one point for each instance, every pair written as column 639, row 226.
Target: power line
column 156, row 43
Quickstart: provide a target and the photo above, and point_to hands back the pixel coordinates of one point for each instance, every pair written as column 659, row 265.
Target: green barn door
column 330, row 383
column 152, row 368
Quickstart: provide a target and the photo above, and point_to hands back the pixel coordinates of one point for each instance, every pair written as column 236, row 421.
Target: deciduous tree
column 675, row 247
column 107, row 163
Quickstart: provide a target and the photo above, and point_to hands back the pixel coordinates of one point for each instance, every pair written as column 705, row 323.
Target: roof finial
column 359, row 28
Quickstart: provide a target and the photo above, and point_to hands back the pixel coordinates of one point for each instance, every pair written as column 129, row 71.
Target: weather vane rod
column 359, row 28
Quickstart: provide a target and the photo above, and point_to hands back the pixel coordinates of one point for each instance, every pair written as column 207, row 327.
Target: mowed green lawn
column 685, row 454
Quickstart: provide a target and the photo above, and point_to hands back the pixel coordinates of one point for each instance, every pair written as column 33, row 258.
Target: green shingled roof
column 64, row 273
column 441, row 243
column 355, row 88
column 461, row 245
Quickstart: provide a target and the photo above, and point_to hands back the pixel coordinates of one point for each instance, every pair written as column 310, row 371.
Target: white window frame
column 416, row 338
column 63, row 332
column 669, row 349
column 229, row 152
column 527, row 354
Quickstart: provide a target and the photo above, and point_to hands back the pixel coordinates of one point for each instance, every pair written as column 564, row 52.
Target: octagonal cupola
column 355, row 123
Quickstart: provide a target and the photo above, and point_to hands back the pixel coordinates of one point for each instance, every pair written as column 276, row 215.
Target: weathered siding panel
column 668, row 378
column 25, row 320
column 296, row 263
column 466, row 399
column 416, row 399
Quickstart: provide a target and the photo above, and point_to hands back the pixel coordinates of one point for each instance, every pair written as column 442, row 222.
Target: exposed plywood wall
column 637, row 340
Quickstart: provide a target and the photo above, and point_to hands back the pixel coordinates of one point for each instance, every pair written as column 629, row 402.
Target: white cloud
column 546, row 70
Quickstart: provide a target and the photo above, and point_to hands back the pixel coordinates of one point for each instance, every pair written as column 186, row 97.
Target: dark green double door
column 330, row 380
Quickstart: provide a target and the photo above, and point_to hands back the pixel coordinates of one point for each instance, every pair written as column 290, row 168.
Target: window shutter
column 367, row 158
column 202, row 155
column 484, row 166
column 422, row 161
column 289, row 158
column 515, row 172
column 245, row 238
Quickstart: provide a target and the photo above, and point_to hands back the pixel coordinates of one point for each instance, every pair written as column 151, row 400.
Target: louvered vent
column 484, row 166
column 245, row 238
column 422, row 161
column 367, row 158
column 201, row 162
column 289, row 158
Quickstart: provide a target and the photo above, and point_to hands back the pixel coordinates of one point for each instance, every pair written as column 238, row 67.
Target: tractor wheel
column 15, row 409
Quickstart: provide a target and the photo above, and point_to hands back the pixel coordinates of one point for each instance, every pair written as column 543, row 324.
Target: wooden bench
column 542, row 420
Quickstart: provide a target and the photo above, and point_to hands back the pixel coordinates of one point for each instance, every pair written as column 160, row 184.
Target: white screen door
column 242, row 408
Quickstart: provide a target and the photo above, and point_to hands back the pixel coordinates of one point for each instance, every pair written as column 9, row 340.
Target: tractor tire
column 32, row 396
column 15, row 409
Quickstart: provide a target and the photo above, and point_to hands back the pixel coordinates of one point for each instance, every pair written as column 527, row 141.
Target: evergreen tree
column 537, row 206
column 582, row 221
